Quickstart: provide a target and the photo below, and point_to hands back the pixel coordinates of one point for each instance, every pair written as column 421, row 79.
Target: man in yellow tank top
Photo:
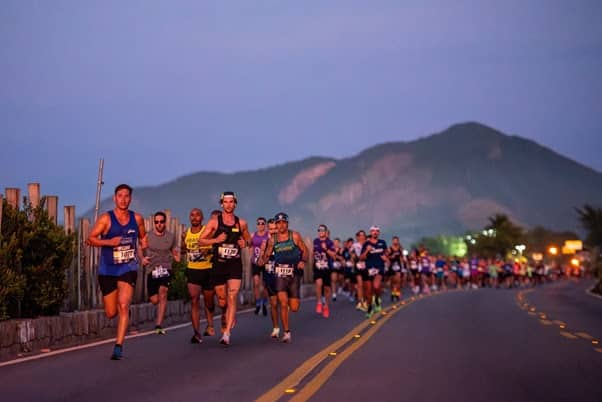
column 198, row 274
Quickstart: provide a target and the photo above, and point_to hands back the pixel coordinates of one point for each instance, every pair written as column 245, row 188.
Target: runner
column 348, row 270
column 360, row 267
column 260, row 236
column 324, row 255
column 290, row 256
column 120, row 231
column 227, row 234
column 395, row 254
column 269, row 279
column 336, row 273
column 198, row 276
column 374, row 254
column 157, row 260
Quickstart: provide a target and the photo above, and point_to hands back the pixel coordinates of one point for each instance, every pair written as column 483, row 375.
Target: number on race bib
column 361, row 265
column 284, row 270
column 227, row 251
column 373, row 271
column 160, row 272
column 321, row 264
column 123, row 254
column 396, row 267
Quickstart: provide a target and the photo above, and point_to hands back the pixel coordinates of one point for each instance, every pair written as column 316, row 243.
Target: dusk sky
column 162, row 89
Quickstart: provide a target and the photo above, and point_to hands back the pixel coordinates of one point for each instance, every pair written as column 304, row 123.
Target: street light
column 553, row 250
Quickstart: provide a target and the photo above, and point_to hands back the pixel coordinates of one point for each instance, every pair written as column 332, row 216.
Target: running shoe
column 117, row 353
column 209, row 331
column 358, row 306
column 334, row 297
column 257, row 308
column 159, row 330
column 319, row 308
column 286, row 338
column 326, row 311
column 377, row 308
column 196, row 338
column 369, row 312
column 225, row 339
column 275, row 333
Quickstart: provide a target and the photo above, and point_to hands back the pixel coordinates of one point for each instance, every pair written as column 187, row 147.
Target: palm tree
column 591, row 220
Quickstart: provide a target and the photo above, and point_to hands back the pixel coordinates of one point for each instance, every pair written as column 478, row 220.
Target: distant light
column 484, row 233
column 473, row 241
column 405, row 253
column 574, row 262
column 553, row 250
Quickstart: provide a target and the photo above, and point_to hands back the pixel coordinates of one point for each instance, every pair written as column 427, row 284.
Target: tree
column 591, row 220
column 498, row 238
column 34, row 254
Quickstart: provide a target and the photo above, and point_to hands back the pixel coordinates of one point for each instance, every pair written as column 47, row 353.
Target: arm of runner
column 102, row 226
column 245, row 239
column 304, row 253
column 206, row 238
column 266, row 251
column 366, row 250
column 141, row 232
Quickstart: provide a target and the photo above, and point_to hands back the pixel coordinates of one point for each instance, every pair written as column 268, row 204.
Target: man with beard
column 374, row 254
column 117, row 233
column 227, row 234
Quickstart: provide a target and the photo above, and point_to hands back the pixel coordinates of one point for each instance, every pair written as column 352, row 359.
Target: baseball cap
column 374, row 227
column 281, row 216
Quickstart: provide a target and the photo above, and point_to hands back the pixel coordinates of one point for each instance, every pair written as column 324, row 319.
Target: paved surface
column 483, row 345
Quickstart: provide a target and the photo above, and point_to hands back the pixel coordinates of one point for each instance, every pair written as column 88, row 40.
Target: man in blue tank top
column 375, row 256
column 228, row 235
column 290, row 256
column 118, row 233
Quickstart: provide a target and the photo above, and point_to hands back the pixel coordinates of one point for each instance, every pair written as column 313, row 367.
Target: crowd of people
column 358, row 269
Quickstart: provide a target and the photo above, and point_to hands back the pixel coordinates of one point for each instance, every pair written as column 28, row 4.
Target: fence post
column 13, row 196
column 34, row 194
column 1, row 203
column 52, row 202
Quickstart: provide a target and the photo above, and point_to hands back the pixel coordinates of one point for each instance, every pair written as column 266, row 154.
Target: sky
column 161, row 89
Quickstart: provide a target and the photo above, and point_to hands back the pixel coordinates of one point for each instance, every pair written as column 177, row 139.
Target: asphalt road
column 483, row 345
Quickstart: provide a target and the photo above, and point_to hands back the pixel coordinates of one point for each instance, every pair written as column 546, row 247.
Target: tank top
column 229, row 249
column 256, row 242
column 286, row 252
column 118, row 260
column 198, row 257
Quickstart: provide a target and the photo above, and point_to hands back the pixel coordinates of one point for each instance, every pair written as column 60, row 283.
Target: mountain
column 446, row 183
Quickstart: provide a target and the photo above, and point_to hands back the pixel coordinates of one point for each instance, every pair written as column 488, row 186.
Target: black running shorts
column 108, row 283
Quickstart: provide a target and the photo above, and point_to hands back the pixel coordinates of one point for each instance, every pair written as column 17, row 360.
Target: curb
column 591, row 293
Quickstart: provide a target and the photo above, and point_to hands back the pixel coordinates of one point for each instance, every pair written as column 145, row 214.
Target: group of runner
column 214, row 264
column 357, row 268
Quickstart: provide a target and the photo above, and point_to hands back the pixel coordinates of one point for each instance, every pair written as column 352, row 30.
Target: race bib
column 284, row 270
column 373, row 271
column 320, row 264
column 123, row 254
column 159, row 272
column 194, row 256
column 349, row 264
column 361, row 265
column 336, row 265
column 396, row 267
column 269, row 267
column 227, row 251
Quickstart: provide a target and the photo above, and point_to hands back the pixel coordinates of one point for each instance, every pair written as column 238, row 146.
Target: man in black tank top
column 228, row 235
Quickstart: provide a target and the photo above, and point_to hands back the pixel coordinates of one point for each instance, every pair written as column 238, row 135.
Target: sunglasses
column 261, row 223
column 321, row 230
column 158, row 222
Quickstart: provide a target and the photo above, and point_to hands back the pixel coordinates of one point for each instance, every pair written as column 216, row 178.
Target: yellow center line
column 320, row 378
column 546, row 322
column 293, row 379
column 584, row 335
column 568, row 335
